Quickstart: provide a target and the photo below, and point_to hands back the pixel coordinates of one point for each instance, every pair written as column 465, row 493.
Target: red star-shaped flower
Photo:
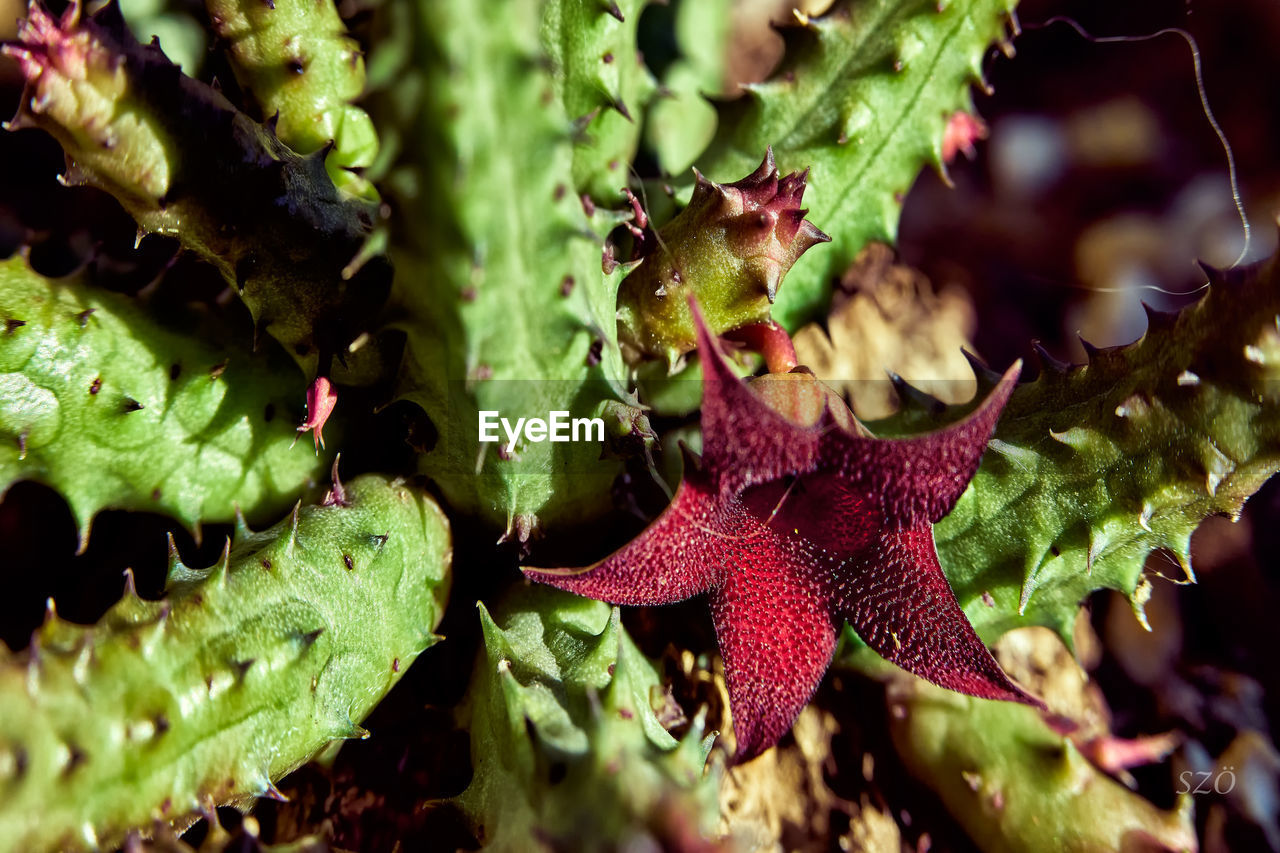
column 795, row 522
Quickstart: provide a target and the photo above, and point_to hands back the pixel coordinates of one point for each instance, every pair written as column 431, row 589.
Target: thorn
column 223, row 566
column 293, row 527
column 987, row 378
column 1047, row 361
column 804, row 20
column 242, row 530
column 1138, row 601
column 241, row 668
column 1211, row 272
column 912, row 397
column 336, row 495
column 1090, row 351
column 175, row 561
column 130, row 588
column 271, row 792
column 1028, row 587
column 1158, row 320
column 611, row 6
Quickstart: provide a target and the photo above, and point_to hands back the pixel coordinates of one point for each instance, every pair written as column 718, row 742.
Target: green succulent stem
column 1017, row 786
column 1094, row 466
column 183, row 161
column 508, row 308
column 241, row 673
column 861, row 98
column 296, row 60
column 566, row 744
column 115, row 410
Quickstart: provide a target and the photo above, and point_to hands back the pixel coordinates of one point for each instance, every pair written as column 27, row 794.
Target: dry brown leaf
column 780, row 801
column 887, row 316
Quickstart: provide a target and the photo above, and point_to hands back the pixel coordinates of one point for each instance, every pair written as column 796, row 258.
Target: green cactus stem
column 1015, row 785
column 183, row 161
column 566, row 743
column 115, row 411
column 862, row 98
column 729, row 249
column 1094, row 466
column 241, row 673
column 295, row 59
column 509, row 308
column 603, row 85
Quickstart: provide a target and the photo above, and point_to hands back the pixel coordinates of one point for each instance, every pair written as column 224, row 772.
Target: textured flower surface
column 795, row 519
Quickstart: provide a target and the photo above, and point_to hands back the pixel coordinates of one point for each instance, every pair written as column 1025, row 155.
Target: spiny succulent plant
column 862, row 99
column 184, row 161
column 729, row 249
column 568, row 736
column 533, row 260
column 295, row 59
column 241, row 673
column 509, row 133
column 116, row 411
column 1094, row 466
column 603, row 84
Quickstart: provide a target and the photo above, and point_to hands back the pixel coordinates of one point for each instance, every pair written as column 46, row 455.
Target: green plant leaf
column 681, row 123
column 1013, row 783
column 184, row 162
column 295, row 59
column 1094, row 466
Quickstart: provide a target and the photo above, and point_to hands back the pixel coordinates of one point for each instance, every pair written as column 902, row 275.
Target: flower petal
column 670, row 561
column 920, row 478
column 899, row 602
column 745, row 442
column 774, row 630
